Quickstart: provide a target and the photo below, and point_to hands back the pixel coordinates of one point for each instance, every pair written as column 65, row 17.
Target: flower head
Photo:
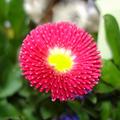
column 62, row 59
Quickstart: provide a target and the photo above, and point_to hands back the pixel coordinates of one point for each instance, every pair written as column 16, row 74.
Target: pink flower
column 62, row 59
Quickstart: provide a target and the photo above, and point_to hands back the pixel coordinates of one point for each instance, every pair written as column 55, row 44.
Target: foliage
column 20, row 102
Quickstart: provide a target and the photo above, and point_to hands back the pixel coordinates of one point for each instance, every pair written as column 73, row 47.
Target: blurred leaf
column 26, row 91
column 7, row 111
column 18, row 18
column 117, row 112
column 2, row 44
column 113, row 37
column 83, row 116
column 28, row 113
column 76, row 107
column 93, row 98
column 110, row 74
column 106, row 110
column 103, row 88
column 13, row 82
column 48, row 109
column 46, row 113
column 43, row 97
column 3, row 11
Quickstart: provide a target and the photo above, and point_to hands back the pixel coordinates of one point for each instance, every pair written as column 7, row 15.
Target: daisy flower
column 62, row 59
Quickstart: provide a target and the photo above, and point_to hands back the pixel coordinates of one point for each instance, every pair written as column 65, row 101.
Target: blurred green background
column 18, row 101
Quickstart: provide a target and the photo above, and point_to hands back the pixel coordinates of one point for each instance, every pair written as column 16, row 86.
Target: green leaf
column 28, row 113
column 7, row 111
column 13, row 82
column 76, row 107
column 106, row 108
column 3, row 11
column 48, row 109
column 46, row 113
column 93, row 98
column 117, row 112
column 113, row 37
column 103, row 88
column 110, row 74
column 26, row 91
column 18, row 18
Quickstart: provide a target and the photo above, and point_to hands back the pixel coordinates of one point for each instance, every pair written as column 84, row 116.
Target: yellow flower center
column 60, row 59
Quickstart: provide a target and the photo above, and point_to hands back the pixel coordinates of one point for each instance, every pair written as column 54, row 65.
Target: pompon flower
column 62, row 59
